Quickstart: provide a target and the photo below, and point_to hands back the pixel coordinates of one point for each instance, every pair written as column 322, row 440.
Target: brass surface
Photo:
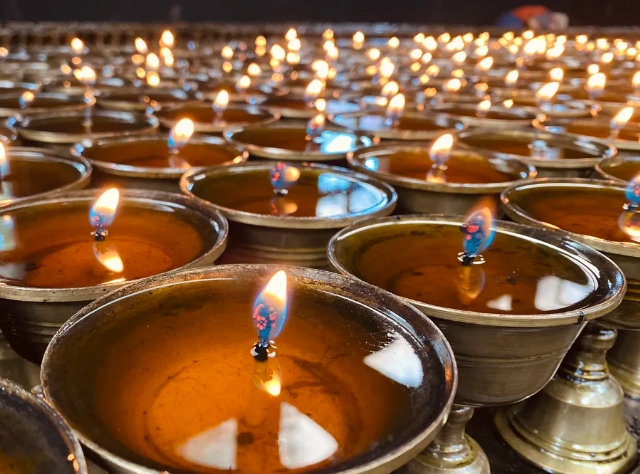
column 575, row 425
column 452, row 451
column 624, row 362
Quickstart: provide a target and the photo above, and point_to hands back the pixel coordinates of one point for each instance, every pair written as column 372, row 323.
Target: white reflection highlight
column 215, row 447
column 332, row 205
column 301, row 441
column 331, row 183
column 399, row 362
column 503, row 303
column 554, row 293
column 8, row 240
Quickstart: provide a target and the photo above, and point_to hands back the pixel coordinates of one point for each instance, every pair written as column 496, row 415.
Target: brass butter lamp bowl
column 346, row 309
column 575, row 424
column 504, row 356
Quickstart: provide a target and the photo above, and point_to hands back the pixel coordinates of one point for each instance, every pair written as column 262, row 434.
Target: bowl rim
column 557, row 126
column 117, row 169
column 89, row 293
column 211, row 127
column 20, row 123
column 608, row 151
column 550, row 238
column 519, row 215
column 265, row 220
column 46, row 154
column 411, row 318
column 451, row 126
column 602, row 173
column 230, row 133
column 358, row 157
column 12, row 389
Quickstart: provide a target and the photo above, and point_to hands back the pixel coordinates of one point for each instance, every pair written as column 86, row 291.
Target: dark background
column 451, row 12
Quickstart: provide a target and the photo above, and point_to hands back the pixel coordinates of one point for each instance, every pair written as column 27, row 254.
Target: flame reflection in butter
column 633, row 193
column 283, row 177
column 108, row 257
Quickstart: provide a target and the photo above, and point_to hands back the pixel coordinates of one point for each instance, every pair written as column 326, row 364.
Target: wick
column 260, row 351
column 466, row 259
column 100, row 233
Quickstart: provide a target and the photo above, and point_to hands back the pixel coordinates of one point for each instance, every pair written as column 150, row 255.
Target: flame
column 633, row 191
column 393, row 42
column 395, row 108
column 373, row 54
column 108, row 257
column 291, row 34
column 86, row 75
column 315, row 126
column 556, row 74
column 419, row 38
column 546, row 92
column 221, row 101
column 270, row 308
column 430, row 43
column 621, row 118
column 273, row 386
column 141, row 46
column 293, row 58
column 635, row 81
column 77, row 45
column 433, row 70
column 596, row 82
column 227, row 52
column 485, row 64
column 104, row 209
column 283, row 176
column 386, row 67
column 459, row 57
column 254, row 70
column 478, row 229
column 444, row 37
column 277, row 52
column 484, row 106
column 441, row 149
column 327, row 34
column 582, row 39
column 593, row 69
column 482, row 51
column 243, row 83
column 152, row 61
column 180, row 134
column 426, row 58
column 452, row 85
column 390, row 89
column 415, row 54
column 167, row 56
column 358, row 37
column 508, row 103
column 3, row 160
column 294, row 45
column 313, row 90
column 167, row 39
column 153, row 79
column 606, row 58
column 26, row 98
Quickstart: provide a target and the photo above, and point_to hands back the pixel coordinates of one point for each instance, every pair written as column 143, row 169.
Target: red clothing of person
column 527, row 12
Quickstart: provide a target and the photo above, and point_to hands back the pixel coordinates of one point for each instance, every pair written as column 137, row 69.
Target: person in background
column 535, row 17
